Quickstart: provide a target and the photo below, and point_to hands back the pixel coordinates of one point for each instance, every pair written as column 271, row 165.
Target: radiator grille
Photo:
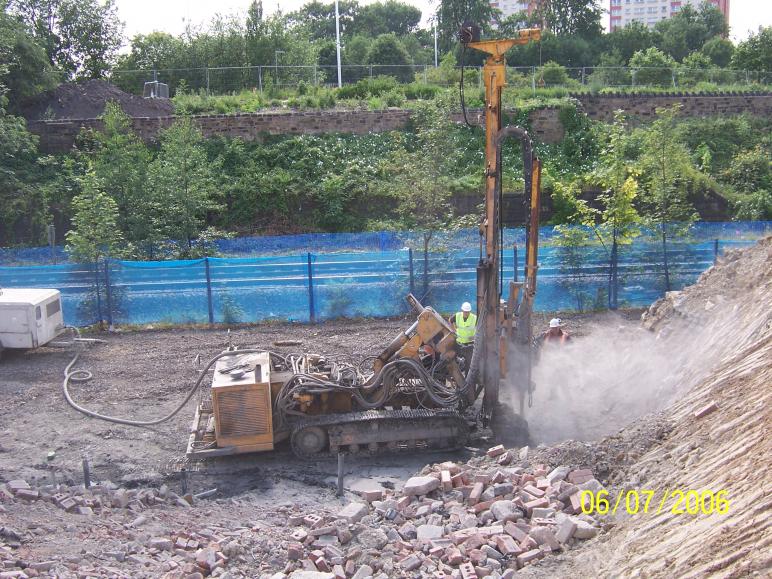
column 244, row 412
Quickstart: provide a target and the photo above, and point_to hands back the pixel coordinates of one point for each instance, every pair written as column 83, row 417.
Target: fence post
column 207, row 80
column 316, row 79
column 260, row 78
column 209, row 291
column 425, row 81
column 583, row 76
column 715, row 251
column 533, row 79
column 98, row 294
column 108, row 293
column 412, row 278
column 514, row 259
column 371, row 71
column 311, row 310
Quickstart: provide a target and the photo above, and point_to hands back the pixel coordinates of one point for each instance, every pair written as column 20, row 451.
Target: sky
column 144, row 16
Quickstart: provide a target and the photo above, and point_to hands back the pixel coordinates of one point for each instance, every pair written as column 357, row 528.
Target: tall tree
column 451, row 14
column 182, row 181
column 94, row 234
column 318, row 18
column 667, row 170
column 81, row 37
column 565, row 17
column 388, row 52
column 690, row 29
column 25, row 68
column 628, row 40
column 385, row 17
column 120, row 162
column 620, row 220
column 755, row 53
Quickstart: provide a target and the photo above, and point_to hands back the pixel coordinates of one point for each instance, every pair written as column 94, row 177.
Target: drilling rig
column 414, row 395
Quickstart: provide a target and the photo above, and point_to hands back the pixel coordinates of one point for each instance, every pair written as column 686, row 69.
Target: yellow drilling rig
column 414, row 394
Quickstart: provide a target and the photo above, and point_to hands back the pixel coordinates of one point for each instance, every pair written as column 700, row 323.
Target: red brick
column 311, row 520
column 484, row 506
column 447, row 483
column 515, row 532
column 294, row 551
column 542, row 502
column 454, row 556
column 476, row 556
column 529, row 556
column 372, row 495
column 505, row 459
column 579, row 476
column 533, row 491
column 506, row 545
column 467, row 571
column 496, row 451
column 477, row 491
column 457, row 480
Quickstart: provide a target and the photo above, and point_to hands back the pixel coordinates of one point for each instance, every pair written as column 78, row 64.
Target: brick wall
column 59, row 135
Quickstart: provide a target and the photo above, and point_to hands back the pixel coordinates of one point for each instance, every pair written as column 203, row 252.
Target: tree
column 318, row 18
column 619, row 219
column 667, row 170
column 183, row 185
column 22, row 207
column 569, row 17
column 385, row 17
column 81, row 37
column 755, row 53
column 94, row 234
column 451, row 14
column 419, row 176
column 689, row 29
column 652, row 67
column 120, row 162
column 633, row 37
column 387, row 50
column 25, row 71
column 719, row 51
column 695, row 69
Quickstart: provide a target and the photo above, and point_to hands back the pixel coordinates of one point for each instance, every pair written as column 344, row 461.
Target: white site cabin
column 29, row 318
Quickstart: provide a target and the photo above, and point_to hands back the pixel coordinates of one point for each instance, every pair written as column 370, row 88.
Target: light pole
column 435, row 45
column 337, row 41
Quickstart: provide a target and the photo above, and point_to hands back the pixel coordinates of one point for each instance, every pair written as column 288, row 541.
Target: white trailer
column 29, row 318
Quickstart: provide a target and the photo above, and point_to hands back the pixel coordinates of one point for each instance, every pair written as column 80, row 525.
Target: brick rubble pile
column 454, row 520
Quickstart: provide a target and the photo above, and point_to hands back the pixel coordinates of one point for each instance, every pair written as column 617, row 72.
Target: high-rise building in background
column 649, row 12
column 510, row 7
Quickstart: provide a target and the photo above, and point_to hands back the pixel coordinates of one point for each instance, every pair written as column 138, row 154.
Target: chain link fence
column 273, row 78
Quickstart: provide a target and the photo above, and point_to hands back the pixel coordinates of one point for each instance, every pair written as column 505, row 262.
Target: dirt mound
column 719, row 439
column 87, row 100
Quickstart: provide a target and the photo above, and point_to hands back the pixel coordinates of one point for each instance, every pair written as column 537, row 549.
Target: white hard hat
column 466, row 307
column 556, row 323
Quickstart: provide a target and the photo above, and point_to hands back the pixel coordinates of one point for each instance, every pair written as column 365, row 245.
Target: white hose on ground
column 85, row 375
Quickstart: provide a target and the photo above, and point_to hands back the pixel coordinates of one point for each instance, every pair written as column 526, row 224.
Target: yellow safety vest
column 465, row 328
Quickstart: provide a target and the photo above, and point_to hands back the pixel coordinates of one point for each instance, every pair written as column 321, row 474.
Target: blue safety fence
column 379, row 241
column 311, row 287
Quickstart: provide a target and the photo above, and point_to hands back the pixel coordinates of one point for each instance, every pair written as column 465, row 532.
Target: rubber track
column 376, row 415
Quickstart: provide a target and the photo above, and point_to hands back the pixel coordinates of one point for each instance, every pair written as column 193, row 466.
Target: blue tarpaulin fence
column 313, row 286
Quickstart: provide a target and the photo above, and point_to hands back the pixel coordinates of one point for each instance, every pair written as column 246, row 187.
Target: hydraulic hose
column 84, row 375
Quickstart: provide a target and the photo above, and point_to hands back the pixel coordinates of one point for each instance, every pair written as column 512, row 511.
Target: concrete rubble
column 453, row 520
column 487, row 518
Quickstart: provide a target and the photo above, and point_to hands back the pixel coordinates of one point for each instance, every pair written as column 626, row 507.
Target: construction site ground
column 681, row 403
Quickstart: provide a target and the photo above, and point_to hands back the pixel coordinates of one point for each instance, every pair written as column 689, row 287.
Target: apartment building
column 649, row 12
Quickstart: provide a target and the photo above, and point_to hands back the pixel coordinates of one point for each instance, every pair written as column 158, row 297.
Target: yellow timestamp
column 635, row 502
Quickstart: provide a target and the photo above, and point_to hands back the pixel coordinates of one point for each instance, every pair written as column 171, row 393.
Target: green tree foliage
column 451, row 14
column 667, row 175
column 420, row 178
column 689, row 29
column 755, row 53
column 80, row 37
column 387, row 50
column 619, row 218
column 183, row 185
column 24, row 68
column 120, row 162
column 386, row 17
column 22, row 206
column 652, row 67
column 572, row 17
column 94, row 234
column 318, row 18
column 570, row 51
column 632, row 38
column 157, row 50
column 719, row 51
column 553, row 74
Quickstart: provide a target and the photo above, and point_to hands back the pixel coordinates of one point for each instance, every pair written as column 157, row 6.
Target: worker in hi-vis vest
column 465, row 325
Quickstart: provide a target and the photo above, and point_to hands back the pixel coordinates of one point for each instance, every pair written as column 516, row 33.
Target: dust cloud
column 600, row 381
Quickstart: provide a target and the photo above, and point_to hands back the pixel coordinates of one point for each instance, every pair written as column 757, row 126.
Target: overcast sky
column 144, row 16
